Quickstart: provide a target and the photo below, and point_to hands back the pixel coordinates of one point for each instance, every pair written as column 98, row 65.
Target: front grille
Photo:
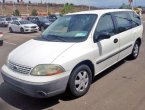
column 19, row 68
column 33, row 27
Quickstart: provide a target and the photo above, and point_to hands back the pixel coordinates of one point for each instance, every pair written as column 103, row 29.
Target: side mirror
column 101, row 36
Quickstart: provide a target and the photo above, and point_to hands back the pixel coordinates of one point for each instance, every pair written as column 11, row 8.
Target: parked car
column 73, row 50
column 3, row 22
column 42, row 22
column 23, row 26
column 1, row 39
column 52, row 18
column 10, row 19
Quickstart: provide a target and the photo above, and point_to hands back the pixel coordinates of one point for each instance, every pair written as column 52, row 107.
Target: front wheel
column 10, row 29
column 80, row 81
column 22, row 31
column 135, row 51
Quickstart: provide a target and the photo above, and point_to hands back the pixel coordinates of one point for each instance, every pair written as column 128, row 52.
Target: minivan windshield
column 70, row 28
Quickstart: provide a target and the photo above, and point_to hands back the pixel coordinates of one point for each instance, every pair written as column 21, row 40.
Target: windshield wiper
column 56, row 37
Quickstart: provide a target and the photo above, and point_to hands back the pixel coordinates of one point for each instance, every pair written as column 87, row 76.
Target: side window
column 135, row 19
column 123, row 21
column 12, row 22
column 17, row 23
column 105, row 25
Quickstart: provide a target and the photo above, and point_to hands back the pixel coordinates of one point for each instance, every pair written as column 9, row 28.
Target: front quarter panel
column 76, row 54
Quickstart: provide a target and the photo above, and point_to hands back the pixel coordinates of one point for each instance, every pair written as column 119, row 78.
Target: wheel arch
column 88, row 63
column 139, row 40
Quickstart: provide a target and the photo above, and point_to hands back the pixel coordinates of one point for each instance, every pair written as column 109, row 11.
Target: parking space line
column 9, row 43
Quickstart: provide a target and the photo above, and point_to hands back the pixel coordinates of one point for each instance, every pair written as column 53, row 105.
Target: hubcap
column 136, row 50
column 81, row 81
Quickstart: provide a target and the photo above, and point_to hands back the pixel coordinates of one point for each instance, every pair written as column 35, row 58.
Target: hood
column 36, row 52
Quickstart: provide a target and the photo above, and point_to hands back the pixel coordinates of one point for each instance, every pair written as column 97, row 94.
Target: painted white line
column 9, row 43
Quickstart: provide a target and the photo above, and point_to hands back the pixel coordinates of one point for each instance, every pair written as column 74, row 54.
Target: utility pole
column 14, row 7
column 131, row 3
column 27, row 9
column 47, row 8
column 2, row 12
column 89, row 7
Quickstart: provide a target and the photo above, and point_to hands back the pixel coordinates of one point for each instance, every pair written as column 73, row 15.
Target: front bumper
column 31, row 29
column 36, row 89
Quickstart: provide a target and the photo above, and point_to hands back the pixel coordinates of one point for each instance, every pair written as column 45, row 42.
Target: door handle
column 115, row 40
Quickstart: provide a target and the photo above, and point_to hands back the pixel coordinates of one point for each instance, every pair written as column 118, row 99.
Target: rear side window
column 136, row 21
column 123, row 21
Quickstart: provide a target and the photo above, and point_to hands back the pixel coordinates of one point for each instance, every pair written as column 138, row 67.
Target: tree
column 29, row 2
column 125, row 6
column 16, row 13
column 68, row 8
column 34, row 12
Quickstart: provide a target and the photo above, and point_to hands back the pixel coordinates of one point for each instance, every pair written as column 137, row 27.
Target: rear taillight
column 1, row 34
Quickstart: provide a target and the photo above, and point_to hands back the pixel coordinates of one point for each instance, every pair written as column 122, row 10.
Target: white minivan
column 71, row 51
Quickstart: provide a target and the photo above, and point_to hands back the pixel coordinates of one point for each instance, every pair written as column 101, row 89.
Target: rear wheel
column 80, row 81
column 135, row 51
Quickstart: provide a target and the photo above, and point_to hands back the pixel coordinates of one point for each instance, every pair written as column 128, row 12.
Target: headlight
column 47, row 70
column 26, row 27
column 47, row 23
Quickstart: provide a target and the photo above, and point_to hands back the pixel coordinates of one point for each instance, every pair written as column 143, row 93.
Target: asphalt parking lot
column 121, row 87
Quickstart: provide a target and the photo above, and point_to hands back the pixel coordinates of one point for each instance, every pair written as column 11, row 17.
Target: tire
column 10, row 29
column 135, row 51
column 80, row 81
column 22, row 30
column 1, row 42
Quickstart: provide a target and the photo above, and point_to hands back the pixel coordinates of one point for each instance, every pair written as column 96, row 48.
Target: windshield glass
column 25, row 22
column 46, row 20
column 14, row 19
column 70, row 28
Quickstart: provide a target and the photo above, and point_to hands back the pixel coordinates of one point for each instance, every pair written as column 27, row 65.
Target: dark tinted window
column 52, row 17
column 105, row 25
column 123, row 21
column 135, row 19
column 8, row 19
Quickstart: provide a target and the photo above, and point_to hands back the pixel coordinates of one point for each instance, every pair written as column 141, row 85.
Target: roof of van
column 102, row 11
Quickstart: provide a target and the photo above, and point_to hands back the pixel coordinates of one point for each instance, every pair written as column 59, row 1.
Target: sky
column 97, row 3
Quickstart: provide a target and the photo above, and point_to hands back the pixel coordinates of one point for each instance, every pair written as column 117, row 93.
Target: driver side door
column 107, row 47
column 17, row 26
